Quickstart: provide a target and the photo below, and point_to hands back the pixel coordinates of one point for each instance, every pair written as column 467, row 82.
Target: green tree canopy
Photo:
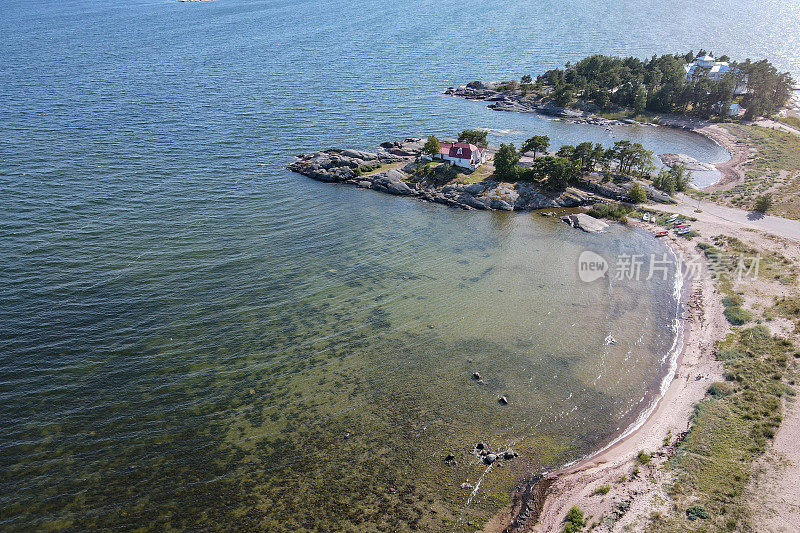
column 558, row 171
column 637, row 194
column 673, row 180
column 537, row 143
column 564, row 95
column 432, row 146
column 505, row 162
column 476, row 137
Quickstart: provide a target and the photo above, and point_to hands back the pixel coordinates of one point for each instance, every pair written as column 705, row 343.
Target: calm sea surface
column 192, row 337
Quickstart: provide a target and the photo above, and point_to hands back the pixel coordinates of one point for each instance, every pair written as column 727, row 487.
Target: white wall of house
column 474, row 162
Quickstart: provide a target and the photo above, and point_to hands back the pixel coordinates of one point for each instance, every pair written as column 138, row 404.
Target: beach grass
column 791, row 121
column 733, row 425
column 381, row 168
column 774, row 169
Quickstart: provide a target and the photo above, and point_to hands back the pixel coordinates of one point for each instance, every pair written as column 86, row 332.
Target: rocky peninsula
column 502, row 98
column 400, row 168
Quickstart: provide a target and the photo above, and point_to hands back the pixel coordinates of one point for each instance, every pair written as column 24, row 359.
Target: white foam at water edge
column 672, row 357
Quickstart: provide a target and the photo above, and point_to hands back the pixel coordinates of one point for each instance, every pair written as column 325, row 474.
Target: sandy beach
column 732, row 171
column 696, row 370
column 635, row 496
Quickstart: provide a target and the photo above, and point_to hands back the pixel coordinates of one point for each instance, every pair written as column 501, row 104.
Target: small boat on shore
column 646, row 217
column 679, row 221
column 662, row 233
column 683, row 231
column 672, row 219
column 683, row 226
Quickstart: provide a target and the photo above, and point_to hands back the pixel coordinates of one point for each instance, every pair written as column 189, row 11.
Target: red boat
column 683, row 226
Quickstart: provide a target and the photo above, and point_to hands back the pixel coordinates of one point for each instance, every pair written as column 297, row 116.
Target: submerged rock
column 476, row 375
column 490, row 458
column 690, row 163
column 503, row 400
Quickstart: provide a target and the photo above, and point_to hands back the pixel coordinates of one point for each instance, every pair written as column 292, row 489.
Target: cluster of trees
column 767, row 89
column 632, row 158
column 660, row 85
column 570, row 162
column 675, row 179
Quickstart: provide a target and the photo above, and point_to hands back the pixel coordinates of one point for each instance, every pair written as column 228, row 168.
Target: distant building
column 732, row 110
column 462, row 154
column 708, row 66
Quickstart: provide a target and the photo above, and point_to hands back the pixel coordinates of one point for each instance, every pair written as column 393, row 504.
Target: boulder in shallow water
column 690, row 163
column 585, row 222
column 490, row 458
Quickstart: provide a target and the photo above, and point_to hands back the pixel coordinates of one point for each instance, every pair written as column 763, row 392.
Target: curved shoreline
column 732, row 171
column 539, row 484
column 549, row 494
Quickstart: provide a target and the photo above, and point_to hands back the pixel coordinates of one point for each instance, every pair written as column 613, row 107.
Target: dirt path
column 775, row 125
column 730, row 218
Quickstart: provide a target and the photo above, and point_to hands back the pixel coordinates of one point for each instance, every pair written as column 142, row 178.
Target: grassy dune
column 734, row 424
column 775, row 169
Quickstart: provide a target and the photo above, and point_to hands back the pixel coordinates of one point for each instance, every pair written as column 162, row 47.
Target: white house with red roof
column 462, row 154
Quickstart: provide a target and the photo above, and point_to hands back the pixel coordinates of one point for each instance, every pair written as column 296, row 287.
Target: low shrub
column 602, row 490
column 737, row 316
column 696, row 511
column 574, row 521
column 617, row 212
column 720, row 389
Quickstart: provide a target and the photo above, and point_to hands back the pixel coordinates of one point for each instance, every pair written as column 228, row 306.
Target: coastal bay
column 195, row 337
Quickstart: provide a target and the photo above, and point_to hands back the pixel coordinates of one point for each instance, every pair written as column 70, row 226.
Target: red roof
column 451, row 150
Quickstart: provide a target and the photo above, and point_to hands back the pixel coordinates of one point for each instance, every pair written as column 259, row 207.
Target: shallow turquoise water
column 193, row 337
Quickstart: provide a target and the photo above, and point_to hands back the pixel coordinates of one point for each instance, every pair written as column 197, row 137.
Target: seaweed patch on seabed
column 329, row 422
column 479, row 277
column 352, row 443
